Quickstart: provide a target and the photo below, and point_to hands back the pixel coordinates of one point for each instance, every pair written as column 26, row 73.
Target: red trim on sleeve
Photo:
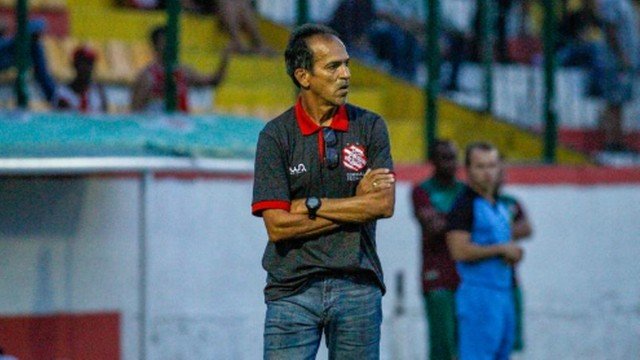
column 307, row 126
column 260, row 206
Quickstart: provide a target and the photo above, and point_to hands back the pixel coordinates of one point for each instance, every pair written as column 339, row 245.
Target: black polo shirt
column 290, row 165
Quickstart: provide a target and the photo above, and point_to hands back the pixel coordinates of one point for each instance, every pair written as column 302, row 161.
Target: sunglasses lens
column 329, row 136
column 330, row 151
column 332, row 157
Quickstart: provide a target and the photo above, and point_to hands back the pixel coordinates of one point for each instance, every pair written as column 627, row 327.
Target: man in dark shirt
column 480, row 240
column 322, row 179
column 432, row 200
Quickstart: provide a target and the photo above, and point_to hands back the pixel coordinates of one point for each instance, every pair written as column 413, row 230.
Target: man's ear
column 302, row 75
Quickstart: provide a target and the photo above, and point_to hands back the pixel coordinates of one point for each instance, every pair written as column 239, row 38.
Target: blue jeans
column 347, row 308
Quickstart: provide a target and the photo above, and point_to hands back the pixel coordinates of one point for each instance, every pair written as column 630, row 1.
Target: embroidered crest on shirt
column 354, row 157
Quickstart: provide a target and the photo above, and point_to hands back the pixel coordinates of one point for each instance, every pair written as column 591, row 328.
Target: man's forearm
column 282, row 225
column 463, row 249
column 359, row 209
column 472, row 252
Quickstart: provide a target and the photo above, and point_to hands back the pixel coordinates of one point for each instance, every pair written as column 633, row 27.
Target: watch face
column 313, row 202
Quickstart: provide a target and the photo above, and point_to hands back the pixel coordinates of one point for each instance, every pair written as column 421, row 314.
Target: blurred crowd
column 235, row 18
column 598, row 36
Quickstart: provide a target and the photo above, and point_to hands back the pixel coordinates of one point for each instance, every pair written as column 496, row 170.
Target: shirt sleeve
column 420, row 199
column 461, row 215
column 379, row 152
column 270, row 184
column 518, row 214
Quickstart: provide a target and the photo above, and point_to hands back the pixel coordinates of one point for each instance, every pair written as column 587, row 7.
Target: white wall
column 72, row 245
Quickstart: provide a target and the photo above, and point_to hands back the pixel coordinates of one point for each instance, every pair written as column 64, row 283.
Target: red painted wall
column 61, row 336
column 57, row 20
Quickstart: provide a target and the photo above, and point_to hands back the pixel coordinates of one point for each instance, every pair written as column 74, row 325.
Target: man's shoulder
column 281, row 122
column 426, row 185
column 357, row 113
column 432, row 185
column 507, row 198
column 465, row 197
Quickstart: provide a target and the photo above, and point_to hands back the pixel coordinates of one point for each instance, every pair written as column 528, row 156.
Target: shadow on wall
column 40, row 206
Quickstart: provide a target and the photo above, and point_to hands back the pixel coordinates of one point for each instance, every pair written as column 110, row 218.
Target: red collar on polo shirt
column 307, row 126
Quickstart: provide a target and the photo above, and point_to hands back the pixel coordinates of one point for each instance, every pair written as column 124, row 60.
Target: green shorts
column 518, row 343
column 440, row 308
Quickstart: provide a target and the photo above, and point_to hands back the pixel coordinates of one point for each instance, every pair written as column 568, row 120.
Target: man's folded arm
column 284, row 225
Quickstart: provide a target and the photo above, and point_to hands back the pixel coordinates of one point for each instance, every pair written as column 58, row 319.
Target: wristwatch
column 313, row 204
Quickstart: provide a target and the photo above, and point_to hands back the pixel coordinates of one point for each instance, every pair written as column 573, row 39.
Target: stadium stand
column 258, row 86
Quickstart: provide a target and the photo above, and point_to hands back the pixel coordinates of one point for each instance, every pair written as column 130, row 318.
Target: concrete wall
column 72, row 245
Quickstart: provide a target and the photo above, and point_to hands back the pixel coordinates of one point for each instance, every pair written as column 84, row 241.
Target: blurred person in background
column 373, row 31
column 580, row 45
column 36, row 28
column 432, row 200
column 521, row 229
column 619, row 22
column 480, row 240
column 392, row 33
column 82, row 93
column 323, row 177
column 4, row 356
column 236, row 18
column 148, row 90
column 143, row 4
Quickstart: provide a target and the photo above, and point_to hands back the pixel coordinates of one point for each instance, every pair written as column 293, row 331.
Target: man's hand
column 512, row 253
column 375, row 180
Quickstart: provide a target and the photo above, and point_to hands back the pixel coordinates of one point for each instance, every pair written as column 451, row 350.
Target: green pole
column 549, row 38
column 171, row 55
column 487, row 22
column 302, row 17
column 302, row 12
column 432, row 87
column 22, row 54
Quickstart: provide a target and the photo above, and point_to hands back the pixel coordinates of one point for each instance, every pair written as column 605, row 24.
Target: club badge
column 354, row 158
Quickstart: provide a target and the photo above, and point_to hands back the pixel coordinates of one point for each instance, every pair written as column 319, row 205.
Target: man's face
column 445, row 160
column 329, row 78
column 160, row 44
column 484, row 170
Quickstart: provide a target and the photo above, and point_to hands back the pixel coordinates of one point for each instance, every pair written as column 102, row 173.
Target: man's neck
column 320, row 113
column 488, row 194
column 444, row 179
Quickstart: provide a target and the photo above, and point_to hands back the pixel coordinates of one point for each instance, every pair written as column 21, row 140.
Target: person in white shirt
column 82, row 94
